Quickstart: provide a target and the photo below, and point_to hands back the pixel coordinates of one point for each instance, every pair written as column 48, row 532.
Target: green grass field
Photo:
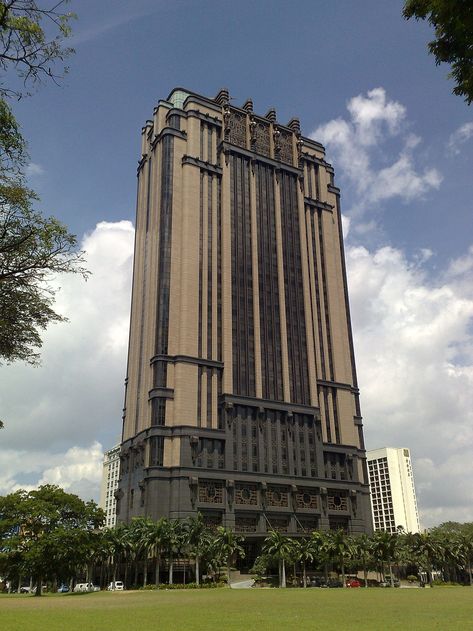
column 243, row 610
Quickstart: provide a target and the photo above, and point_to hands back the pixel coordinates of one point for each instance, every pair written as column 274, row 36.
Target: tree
column 280, row 547
column 228, row 545
column 384, row 549
column 197, row 540
column 32, row 247
column 27, row 47
column 340, row 549
column 48, row 529
column 453, row 24
column 305, row 552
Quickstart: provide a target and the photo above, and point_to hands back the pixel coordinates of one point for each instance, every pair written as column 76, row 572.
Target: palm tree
column 280, row 547
column 429, row 551
column 362, row 552
column 385, row 545
column 173, row 543
column 197, row 540
column 227, row 545
column 157, row 534
column 340, row 549
column 304, row 550
column 117, row 542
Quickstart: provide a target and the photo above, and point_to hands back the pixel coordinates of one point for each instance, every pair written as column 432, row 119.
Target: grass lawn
column 243, row 610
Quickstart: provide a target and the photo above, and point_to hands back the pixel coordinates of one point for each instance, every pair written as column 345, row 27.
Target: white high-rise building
column 393, row 495
column 110, row 475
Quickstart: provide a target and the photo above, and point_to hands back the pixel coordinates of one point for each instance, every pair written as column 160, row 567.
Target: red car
column 353, row 582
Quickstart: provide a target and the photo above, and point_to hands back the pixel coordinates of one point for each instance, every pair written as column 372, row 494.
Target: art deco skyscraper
column 241, row 397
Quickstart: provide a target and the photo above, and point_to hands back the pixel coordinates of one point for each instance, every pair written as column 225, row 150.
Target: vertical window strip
column 199, row 397
column 219, row 271
column 317, row 297
column 209, row 396
column 295, row 312
column 327, row 415
column 148, row 193
column 242, row 288
column 268, row 280
column 335, row 415
column 326, row 296
column 209, row 266
column 201, row 255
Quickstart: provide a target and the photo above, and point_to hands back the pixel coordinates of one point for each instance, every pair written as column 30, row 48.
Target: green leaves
column 453, row 24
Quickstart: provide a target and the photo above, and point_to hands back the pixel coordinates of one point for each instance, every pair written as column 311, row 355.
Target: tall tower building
column 393, row 495
column 241, row 393
column 109, row 485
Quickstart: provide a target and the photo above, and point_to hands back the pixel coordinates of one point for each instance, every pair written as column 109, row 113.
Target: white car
column 86, row 587
column 116, row 586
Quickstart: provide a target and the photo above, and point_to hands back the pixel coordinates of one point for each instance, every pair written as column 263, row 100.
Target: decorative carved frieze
column 337, row 502
column 210, row 491
column 237, row 129
column 262, row 142
column 306, row 498
column 285, row 146
column 277, row 496
column 246, row 523
column 246, row 494
column 279, row 524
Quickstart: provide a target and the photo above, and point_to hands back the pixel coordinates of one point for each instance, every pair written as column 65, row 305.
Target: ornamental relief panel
column 337, row 502
column 285, row 144
column 276, row 496
column 246, row 524
column 306, row 499
column 210, row 491
column 279, row 524
column 237, row 129
column 262, row 142
column 246, row 494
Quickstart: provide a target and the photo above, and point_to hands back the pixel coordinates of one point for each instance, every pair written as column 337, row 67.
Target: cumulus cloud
column 54, row 415
column 33, row 169
column 459, row 137
column 356, row 147
column 413, row 340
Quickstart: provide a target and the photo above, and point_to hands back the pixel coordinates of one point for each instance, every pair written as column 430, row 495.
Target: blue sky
column 360, row 79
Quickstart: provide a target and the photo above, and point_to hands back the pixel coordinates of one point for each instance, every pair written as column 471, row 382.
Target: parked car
column 353, row 582
column 63, row 589
column 116, row 586
column 334, row 582
column 318, row 581
column 86, row 587
column 25, row 589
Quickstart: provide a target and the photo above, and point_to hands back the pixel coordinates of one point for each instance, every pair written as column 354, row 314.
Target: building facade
column 109, row 485
column 393, row 495
column 241, row 393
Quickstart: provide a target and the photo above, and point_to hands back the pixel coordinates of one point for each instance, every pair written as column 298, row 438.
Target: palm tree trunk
column 469, row 574
column 283, row 581
column 136, row 573
column 304, row 574
column 391, row 574
column 145, row 570
column 19, row 584
column 157, row 569
column 197, row 570
column 343, row 574
column 365, row 575
column 228, row 572
column 171, row 570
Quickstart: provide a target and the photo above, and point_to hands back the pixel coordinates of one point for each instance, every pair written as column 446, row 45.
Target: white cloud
column 356, row 147
column 55, row 414
column 33, row 169
column 459, row 137
column 413, row 346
